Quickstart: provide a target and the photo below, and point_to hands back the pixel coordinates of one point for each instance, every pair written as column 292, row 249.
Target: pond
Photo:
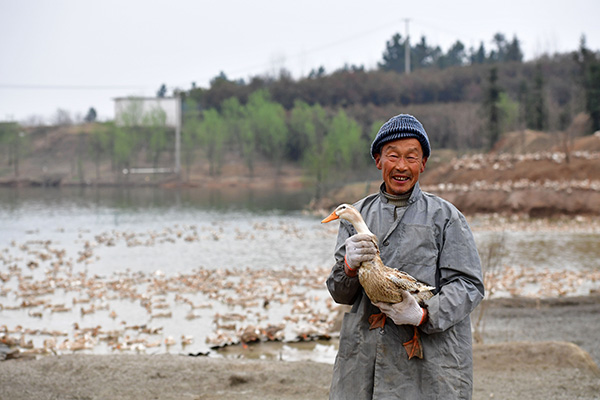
column 183, row 271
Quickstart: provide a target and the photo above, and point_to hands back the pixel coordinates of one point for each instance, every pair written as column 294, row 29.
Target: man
column 428, row 238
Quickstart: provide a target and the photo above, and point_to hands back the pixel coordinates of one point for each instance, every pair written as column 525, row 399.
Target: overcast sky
column 77, row 54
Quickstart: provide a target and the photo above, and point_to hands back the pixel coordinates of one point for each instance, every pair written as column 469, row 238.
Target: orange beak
column 331, row 217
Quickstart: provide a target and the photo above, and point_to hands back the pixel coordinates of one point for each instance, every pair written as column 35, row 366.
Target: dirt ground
column 545, row 349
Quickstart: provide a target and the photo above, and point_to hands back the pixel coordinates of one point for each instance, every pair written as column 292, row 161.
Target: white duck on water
column 382, row 283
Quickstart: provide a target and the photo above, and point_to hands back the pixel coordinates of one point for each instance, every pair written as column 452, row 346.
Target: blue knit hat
column 401, row 127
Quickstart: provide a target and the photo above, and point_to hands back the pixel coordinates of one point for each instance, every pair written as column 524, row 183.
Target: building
column 136, row 110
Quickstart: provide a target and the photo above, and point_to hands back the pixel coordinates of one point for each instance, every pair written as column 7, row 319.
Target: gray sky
column 77, row 54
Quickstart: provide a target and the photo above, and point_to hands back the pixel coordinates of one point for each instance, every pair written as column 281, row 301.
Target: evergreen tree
column 162, row 91
column 478, row 57
column 492, row 108
column 423, row 55
column 536, row 114
column 513, row 51
column 500, row 53
column 393, row 57
column 455, row 57
column 91, row 115
column 589, row 65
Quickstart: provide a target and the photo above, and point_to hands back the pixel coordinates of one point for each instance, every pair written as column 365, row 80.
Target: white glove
column 407, row 312
column 359, row 248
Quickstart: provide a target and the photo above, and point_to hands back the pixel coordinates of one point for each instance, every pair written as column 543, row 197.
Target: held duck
column 382, row 283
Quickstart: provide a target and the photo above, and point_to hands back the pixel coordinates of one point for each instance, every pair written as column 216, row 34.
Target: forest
column 465, row 98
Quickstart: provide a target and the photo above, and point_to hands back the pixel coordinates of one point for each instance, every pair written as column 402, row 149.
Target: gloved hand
column 359, row 248
column 407, row 312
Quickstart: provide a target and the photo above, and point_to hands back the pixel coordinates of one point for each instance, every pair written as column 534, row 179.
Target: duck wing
column 406, row 282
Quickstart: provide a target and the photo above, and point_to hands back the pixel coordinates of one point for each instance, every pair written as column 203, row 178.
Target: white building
column 137, row 110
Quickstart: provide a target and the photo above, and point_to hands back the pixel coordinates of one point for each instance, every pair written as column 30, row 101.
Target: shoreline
column 532, row 348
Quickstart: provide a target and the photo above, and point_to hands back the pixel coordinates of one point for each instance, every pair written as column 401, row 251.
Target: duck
column 382, row 283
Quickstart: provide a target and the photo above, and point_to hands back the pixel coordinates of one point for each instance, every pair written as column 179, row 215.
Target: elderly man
column 428, row 238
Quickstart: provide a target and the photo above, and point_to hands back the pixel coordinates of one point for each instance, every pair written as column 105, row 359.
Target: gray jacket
column 432, row 242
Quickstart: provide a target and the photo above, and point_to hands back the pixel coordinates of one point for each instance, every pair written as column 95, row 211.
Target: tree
column 162, row 91
column 241, row 129
column 62, row 117
column 344, row 144
column 316, row 158
column 535, row 108
column 499, row 54
column 478, row 56
column 15, row 141
column 91, row 115
column 491, row 108
column 393, row 56
column 513, row 51
column 156, row 121
column 509, row 113
column 212, row 138
column 592, row 95
column 100, row 144
column 317, row 73
column 302, row 128
column 190, row 134
column 423, row 55
column 589, row 66
column 124, row 144
column 455, row 57
column 133, row 113
column 267, row 119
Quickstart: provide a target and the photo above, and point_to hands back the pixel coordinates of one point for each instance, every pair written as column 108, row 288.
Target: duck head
column 350, row 214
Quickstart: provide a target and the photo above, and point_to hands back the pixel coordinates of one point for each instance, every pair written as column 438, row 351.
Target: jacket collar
column 416, row 193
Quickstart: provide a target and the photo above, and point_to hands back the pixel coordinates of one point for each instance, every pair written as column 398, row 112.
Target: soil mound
column 527, row 173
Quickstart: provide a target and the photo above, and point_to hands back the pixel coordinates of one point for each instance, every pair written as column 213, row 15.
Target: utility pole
column 178, row 123
column 407, row 49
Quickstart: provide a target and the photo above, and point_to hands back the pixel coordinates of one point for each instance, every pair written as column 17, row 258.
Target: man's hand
column 407, row 312
column 359, row 248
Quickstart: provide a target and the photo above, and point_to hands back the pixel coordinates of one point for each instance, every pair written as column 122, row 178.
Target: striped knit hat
column 400, row 127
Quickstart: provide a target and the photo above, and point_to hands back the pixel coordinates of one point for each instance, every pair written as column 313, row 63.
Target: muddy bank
column 542, row 370
column 534, row 349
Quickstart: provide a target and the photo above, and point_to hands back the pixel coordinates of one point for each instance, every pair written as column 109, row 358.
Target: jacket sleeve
column 460, row 279
column 343, row 288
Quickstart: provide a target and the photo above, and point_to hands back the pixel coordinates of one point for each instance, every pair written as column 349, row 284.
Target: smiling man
column 428, row 238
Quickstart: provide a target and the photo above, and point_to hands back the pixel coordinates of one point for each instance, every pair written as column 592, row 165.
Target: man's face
column 401, row 162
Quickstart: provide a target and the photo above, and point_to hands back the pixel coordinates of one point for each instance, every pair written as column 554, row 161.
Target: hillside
column 527, row 172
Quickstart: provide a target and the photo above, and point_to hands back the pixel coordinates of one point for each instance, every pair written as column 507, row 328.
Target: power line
column 323, row 47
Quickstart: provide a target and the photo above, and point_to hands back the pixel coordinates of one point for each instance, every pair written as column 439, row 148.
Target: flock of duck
column 59, row 306
column 41, row 285
column 506, row 161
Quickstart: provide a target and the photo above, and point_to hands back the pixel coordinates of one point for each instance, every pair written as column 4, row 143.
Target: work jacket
column 432, row 242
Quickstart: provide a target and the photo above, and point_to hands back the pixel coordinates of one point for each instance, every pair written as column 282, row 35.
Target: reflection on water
column 137, row 198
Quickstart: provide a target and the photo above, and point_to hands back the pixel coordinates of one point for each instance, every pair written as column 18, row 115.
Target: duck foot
column 377, row 321
column 413, row 347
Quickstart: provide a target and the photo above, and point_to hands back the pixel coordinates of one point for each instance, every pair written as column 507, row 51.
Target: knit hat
column 401, row 127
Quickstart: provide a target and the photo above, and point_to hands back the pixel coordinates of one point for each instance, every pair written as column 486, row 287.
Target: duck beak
column 331, row 217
